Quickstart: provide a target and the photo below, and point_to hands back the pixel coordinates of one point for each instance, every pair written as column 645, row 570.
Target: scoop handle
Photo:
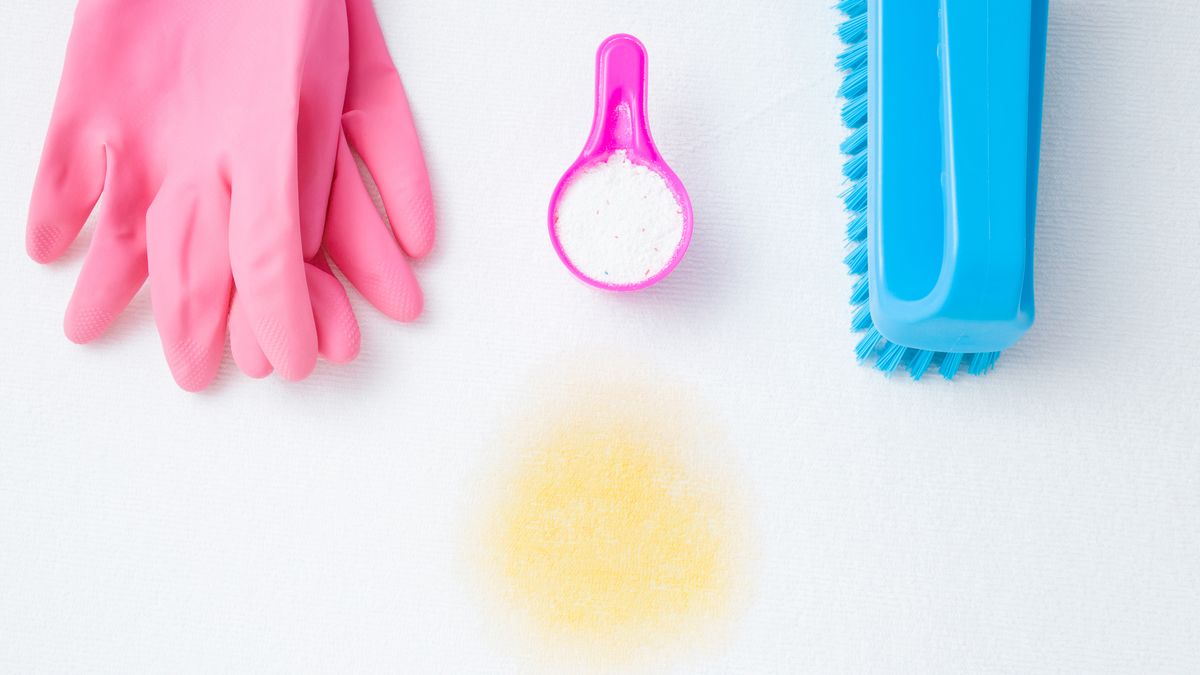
column 621, row 121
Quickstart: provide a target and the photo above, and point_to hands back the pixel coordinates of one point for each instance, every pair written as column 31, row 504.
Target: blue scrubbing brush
column 942, row 179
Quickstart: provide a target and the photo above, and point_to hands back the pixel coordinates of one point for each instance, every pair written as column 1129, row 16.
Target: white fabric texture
column 1043, row 519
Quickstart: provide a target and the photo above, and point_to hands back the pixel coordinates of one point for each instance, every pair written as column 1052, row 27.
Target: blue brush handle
column 984, row 52
column 955, row 123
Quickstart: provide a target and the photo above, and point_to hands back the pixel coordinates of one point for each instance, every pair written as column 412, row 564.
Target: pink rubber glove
column 378, row 123
column 188, row 117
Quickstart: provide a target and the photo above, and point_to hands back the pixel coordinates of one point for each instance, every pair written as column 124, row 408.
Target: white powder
column 619, row 222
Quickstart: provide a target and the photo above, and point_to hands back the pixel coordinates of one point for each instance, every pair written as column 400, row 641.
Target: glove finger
column 248, row 356
column 338, row 335
column 392, row 153
column 115, row 266
column 268, row 268
column 318, row 128
column 364, row 250
column 379, row 124
column 69, row 181
column 190, row 279
column 337, row 329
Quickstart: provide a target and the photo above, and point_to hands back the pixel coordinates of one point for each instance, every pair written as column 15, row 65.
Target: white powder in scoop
column 619, row 222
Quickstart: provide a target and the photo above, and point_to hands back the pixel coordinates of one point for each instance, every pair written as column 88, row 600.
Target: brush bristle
column 861, row 293
column 857, row 229
column 855, row 84
column 854, row 29
column 862, row 319
column 855, row 142
column 868, row 345
column 855, row 168
column 919, row 364
column 854, row 113
column 889, row 357
column 856, row 259
column 853, row 56
column 853, row 7
column 950, row 364
column 856, row 197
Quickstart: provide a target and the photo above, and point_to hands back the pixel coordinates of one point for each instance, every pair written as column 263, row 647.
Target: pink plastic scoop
column 621, row 124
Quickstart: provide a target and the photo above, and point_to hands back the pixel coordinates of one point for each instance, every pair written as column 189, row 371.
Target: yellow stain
column 607, row 532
